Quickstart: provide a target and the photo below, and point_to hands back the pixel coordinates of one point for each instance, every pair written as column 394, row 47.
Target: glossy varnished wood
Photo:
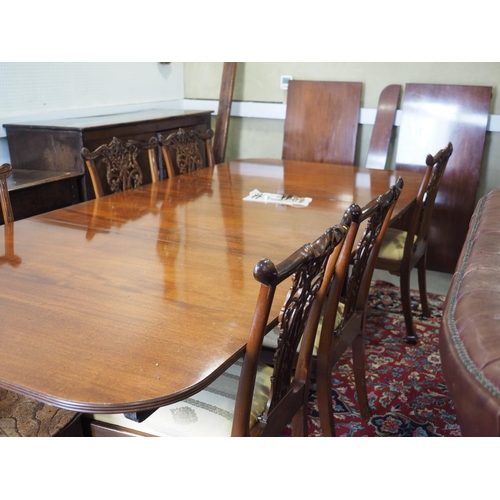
column 224, row 110
column 120, row 304
column 55, row 145
column 321, row 122
column 383, row 127
column 5, row 205
column 434, row 115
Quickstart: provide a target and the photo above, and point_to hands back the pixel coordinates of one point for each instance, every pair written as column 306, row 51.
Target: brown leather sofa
column 470, row 330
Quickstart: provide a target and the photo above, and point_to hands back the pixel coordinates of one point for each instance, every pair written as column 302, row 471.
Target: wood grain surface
column 141, row 298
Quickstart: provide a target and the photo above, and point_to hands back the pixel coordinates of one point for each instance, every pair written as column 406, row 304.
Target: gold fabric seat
column 393, row 245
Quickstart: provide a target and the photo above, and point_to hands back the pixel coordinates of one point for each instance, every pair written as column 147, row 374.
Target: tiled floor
column 436, row 282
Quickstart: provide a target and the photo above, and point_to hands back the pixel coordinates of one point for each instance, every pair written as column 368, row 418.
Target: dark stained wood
column 383, row 127
column 187, row 151
column 114, row 287
column 432, row 116
column 416, row 243
column 350, row 332
column 310, row 268
column 321, row 123
column 55, row 145
column 34, row 191
column 224, row 111
column 100, row 429
column 5, row 205
column 37, row 191
column 114, row 167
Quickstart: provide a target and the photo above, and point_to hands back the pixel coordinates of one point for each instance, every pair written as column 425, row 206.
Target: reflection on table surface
column 141, row 298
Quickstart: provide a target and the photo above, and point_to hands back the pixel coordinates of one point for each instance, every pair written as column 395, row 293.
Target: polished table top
column 142, row 298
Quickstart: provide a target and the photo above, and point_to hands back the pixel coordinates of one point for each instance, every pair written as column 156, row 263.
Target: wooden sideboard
column 49, row 171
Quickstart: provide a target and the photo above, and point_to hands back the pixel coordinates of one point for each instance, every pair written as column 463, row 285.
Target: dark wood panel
column 434, row 115
column 224, row 111
column 38, row 197
column 55, row 145
column 100, row 429
column 321, row 121
column 383, row 127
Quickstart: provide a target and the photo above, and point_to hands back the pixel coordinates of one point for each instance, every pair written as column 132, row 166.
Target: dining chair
column 252, row 398
column 344, row 317
column 224, row 111
column 383, row 127
column 8, row 215
column 321, row 122
column 115, row 165
column 185, row 151
column 433, row 115
column 405, row 248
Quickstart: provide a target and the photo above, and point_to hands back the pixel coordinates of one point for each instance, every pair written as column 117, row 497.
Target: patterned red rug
column 406, row 390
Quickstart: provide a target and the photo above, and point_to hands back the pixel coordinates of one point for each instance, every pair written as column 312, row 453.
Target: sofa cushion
column 470, row 330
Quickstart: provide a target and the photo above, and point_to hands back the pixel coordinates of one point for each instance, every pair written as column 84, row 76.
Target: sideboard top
column 105, row 120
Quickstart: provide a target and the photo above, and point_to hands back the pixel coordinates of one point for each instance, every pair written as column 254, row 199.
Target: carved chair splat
column 119, row 159
column 345, row 310
column 184, row 151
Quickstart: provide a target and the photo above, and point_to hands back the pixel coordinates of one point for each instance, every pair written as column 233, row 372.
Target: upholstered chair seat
column 208, row 413
column 393, row 245
column 271, row 339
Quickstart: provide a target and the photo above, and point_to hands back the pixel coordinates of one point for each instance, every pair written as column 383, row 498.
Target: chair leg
column 324, row 400
column 411, row 337
column 359, row 363
column 299, row 423
column 421, row 266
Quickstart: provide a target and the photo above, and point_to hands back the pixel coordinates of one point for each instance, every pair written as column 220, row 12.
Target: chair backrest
column 116, row 164
column 188, row 150
column 309, row 269
column 426, row 197
column 433, row 115
column 8, row 215
column 377, row 215
column 383, row 127
column 224, row 111
column 321, row 122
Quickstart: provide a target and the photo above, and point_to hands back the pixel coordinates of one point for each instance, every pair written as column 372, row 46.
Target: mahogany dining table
column 140, row 299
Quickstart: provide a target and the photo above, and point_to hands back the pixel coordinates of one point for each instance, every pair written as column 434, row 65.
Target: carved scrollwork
column 185, row 145
column 120, row 159
column 294, row 314
column 377, row 211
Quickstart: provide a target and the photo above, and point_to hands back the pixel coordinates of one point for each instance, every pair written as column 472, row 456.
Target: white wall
column 34, row 91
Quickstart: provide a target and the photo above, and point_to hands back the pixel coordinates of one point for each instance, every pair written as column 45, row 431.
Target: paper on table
column 280, row 199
